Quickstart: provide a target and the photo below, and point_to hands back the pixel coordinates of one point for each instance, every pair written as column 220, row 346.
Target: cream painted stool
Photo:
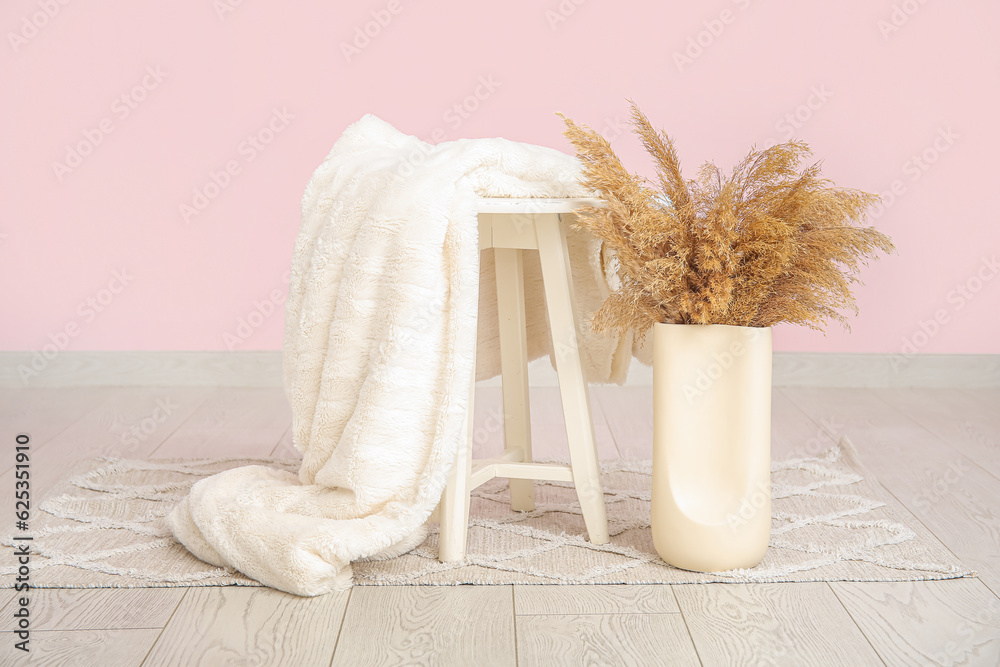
column 511, row 226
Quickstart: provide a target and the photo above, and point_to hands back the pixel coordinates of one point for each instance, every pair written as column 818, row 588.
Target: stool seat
column 511, row 226
column 534, row 205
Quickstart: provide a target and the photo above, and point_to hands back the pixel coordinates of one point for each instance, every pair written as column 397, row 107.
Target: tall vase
column 711, row 496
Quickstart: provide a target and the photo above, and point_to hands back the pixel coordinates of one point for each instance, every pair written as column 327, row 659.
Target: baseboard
column 263, row 369
column 809, row 369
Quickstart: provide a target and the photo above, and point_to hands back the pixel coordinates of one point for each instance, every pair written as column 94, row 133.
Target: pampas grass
column 769, row 243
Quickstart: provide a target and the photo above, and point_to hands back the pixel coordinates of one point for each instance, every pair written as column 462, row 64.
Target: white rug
column 104, row 527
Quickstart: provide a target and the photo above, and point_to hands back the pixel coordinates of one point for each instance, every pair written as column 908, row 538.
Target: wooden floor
column 936, row 450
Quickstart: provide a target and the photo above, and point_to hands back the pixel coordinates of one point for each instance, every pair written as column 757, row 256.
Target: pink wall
column 100, row 257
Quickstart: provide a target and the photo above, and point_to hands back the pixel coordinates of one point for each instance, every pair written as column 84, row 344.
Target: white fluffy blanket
column 384, row 301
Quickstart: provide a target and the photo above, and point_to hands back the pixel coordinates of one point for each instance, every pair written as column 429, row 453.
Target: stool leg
column 553, row 252
column 454, row 507
column 514, row 367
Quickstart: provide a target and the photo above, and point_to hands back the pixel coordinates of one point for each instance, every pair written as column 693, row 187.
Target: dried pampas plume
column 767, row 244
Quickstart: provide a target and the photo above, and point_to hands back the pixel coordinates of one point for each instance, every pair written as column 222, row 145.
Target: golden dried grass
column 769, row 243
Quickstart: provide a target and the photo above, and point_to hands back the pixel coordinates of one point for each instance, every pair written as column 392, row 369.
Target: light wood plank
column 235, row 625
column 783, row 624
column 44, row 413
column 963, row 419
column 129, row 423
column 988, row 397
column 237, row 421
column 594, row 599
column 439, row 625
column 8, row 598
column 604, row 639
column 794, row 434
column 927, row 622
column 487, row 433
column 81, row 648
column 285, row 449
column 947, row 491
column 986, row 402
column 127, row 368
column 99, row 608
column 134, row 421
column 548, row 428
column 628, row 413
column 899, row 619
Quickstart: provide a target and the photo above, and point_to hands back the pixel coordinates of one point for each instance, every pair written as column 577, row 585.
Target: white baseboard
column 809, row 369
column 263, row 369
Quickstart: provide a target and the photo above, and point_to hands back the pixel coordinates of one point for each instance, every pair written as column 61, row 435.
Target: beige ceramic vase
column 711, row 497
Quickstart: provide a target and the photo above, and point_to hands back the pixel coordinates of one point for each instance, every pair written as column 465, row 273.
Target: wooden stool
column 511, row 226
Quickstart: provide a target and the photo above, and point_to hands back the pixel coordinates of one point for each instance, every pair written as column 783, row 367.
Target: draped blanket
column 387, row 299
